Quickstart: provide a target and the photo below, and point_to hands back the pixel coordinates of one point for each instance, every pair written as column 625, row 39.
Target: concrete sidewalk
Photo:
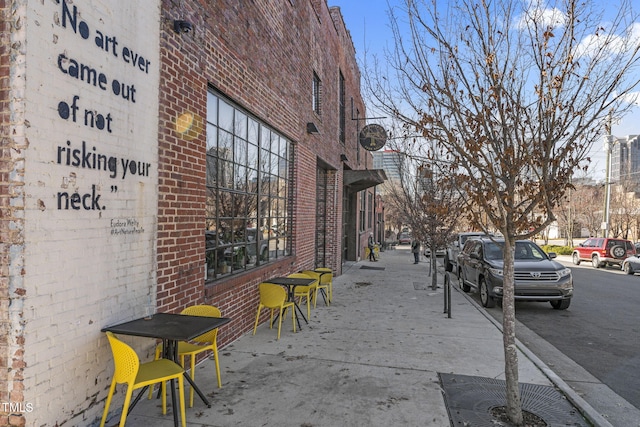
column 372, row 358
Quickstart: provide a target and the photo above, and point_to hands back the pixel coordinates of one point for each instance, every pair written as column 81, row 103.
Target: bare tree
column 425, row 199
column 514, row 94
column 625, row 209
column 566, row 217
column 583, row 199
column 393, row 213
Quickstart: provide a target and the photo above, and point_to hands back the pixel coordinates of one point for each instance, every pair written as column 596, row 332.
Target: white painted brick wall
column 78, row 275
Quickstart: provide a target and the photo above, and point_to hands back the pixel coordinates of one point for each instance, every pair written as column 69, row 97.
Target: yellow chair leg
column 279, row 323
column 125, row 407
column 108, row 403
column 164, row 397
column 182, row 408
column 215, row 358
column 193, row 377
column 255, row 326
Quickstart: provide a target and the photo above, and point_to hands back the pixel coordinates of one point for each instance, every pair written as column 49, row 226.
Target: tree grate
column 469, row 401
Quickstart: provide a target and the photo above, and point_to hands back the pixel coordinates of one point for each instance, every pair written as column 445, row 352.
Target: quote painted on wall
column 86, row 155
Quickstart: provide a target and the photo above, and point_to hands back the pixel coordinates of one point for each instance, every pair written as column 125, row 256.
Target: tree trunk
column 514, row 409
column 434, row 276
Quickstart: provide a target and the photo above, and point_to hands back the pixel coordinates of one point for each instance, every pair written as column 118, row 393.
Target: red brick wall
column 11, row 230
column 5, row 210
column 262, row 55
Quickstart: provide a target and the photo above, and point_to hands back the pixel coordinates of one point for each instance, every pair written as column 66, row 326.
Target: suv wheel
column 576, row 258
column 562, row 304
column 618, row 251
column 595, row 261
column 486, row 299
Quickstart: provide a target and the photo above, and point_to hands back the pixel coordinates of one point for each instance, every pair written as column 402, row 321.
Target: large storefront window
column 248, row 184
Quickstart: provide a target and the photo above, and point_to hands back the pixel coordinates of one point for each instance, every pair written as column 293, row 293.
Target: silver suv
column 537, row 276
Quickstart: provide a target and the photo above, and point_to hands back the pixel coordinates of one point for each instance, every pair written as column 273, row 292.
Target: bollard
column 447, row 293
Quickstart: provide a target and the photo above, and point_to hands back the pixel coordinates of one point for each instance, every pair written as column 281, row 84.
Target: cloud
column 595, row 44
column 602, row 42
column 632, row 98
column 541, row 17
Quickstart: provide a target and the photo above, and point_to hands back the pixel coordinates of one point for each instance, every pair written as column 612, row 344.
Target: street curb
column 593, row 416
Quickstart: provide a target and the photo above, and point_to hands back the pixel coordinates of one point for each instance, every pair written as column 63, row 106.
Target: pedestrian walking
column 415, row 248
column 371, row 245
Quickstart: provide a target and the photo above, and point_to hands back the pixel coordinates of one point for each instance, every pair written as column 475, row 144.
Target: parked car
column 537, row 276
column 452, row 251
column 404, row 238
column 602, row 251
column 631, row 265
column 440, row 252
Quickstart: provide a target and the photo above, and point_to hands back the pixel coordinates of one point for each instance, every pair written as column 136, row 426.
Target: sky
column 368, row 23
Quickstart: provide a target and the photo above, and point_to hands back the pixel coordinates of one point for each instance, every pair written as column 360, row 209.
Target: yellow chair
column 323, row 288
column 326, row 278
column 200, row 344
column 305, row 291
column 128, row 370
column 274, row 297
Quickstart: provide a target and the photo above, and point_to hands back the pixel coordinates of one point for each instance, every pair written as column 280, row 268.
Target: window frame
column 316, row 94
column 248, row 186
column 342, row 107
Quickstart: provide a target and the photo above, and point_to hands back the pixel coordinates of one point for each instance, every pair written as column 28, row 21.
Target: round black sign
column 373, row 137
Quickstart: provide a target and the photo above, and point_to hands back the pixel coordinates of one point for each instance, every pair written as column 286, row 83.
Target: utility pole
column 608, row 146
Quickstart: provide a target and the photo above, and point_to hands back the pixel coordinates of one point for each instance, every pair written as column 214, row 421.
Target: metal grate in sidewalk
column 469, row 400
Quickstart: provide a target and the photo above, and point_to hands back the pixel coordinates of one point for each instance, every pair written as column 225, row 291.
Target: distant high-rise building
column 625, row 159
column 389, row 161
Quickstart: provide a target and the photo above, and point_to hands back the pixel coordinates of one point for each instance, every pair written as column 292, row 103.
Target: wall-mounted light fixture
column 182, row 26
column 311, row 128
column 343, row 158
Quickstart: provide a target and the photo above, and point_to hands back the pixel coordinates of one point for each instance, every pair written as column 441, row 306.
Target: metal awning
column 358, row 180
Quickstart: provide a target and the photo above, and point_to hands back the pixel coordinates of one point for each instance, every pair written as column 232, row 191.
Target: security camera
column 182, row 27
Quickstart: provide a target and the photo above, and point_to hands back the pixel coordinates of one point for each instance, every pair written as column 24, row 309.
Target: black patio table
column 291, row 283
column 171, row 329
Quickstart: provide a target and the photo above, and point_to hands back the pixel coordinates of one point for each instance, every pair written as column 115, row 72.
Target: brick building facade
column 118, row 158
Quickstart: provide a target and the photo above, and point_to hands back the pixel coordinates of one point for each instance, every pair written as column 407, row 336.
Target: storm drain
column 419, row 286
column 469, row 400
column 359, row 284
